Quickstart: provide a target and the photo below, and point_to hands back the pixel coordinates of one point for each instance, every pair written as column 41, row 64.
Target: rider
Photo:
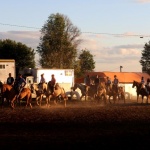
column 96, row 81
column 116, row 83
column 142, row 80
column 147, row 86
column 42, row 78
column 52, row 83
column 108, row 83
column 20, row 83
column 10, row 80
column 87, row 80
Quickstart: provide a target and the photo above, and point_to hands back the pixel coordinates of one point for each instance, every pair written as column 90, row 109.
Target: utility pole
column 121, row 68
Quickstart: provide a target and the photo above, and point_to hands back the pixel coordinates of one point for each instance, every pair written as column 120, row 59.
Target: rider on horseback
column 52, row 83
column 42, row 80
column 116, row 83
column 108, row 84
column 19, row 84
column 87, row 80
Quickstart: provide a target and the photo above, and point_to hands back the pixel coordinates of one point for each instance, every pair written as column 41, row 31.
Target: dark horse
column 140, row 91
column 8, row 92
column 85, row 90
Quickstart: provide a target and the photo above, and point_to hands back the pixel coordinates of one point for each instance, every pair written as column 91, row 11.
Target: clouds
column 106, row 55
column 30, row 38
column 143, row 1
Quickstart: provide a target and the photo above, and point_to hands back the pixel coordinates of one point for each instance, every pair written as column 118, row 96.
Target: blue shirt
column 21, row 82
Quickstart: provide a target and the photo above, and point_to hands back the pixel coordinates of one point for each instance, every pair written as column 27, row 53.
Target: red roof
column 124, row 77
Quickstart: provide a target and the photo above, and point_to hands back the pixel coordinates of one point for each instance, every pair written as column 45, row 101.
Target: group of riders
column 114, row 85
column 19, row 83
column 108, row 83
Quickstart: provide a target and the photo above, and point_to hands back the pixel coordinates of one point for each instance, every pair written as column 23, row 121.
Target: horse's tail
column 65, row 95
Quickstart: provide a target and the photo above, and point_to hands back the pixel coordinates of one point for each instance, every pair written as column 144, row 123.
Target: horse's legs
column 37, row 100
column 81, row 97
column 41, row 97
column 142, row 98
column 28, row 101
column 109, row 99
column 48, row 98
column 137, row 98
column 105, row 99
column 12, row 102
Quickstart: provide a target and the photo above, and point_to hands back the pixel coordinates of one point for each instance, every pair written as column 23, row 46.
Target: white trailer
column 65, row 77
column 7, row 66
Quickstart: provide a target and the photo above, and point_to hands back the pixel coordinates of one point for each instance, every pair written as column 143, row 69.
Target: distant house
column 125, row 79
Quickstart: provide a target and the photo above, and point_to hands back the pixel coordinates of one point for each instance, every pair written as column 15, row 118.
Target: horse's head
column 42, row 87
column 75, row 86
column 57, row 86
column 136, row 84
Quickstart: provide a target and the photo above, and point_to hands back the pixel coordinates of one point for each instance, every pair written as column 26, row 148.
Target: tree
column 58, row 43
column 145, row 59
column 24, row 56
column 86, row 61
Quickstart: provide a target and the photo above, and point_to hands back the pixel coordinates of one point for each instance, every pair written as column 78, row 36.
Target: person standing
column 10, row 80
column 42, row 80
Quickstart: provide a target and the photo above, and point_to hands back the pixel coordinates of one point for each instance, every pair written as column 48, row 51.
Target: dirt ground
column 81, row 124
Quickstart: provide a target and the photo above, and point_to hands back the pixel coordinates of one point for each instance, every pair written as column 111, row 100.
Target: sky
column 110, row 29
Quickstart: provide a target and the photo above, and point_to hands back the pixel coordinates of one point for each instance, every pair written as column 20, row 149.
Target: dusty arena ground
column 81, row 124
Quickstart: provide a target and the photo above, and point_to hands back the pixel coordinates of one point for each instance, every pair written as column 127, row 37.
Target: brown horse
column 121, row 94
column 112, row 92
column 10, row 93
column 101, row 93
column 40, row 90
column 59, row 93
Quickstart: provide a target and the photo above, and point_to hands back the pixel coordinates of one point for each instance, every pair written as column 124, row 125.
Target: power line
column 112, row 34
column 18, row 26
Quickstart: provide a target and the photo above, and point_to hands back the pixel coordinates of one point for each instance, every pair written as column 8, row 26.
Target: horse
column 40, row 90
column 58, row 93
column 112, row 92
column 101, row 93
column 140, row 91
column 121, row 94
column 3, row 96
column 86, row 90
column 10, row 93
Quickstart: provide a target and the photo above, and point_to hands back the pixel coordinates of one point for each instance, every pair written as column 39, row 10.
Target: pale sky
column 111, row 29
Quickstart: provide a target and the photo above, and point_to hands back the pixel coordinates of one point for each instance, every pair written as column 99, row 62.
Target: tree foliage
column 58, row 43
column 87, row 63
column 24, row 56
column 145, row 59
